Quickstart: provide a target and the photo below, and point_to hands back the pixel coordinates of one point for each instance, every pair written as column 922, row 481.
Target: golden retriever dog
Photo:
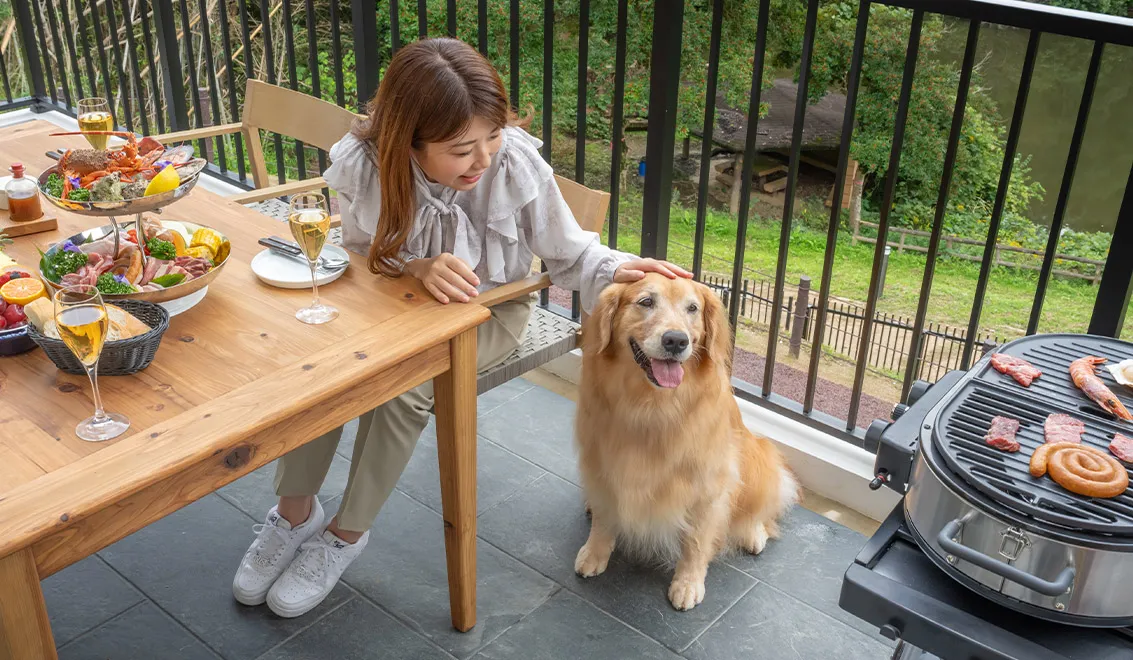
column 668, row 467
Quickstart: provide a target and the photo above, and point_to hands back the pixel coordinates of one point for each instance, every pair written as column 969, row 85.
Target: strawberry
column 14, row 314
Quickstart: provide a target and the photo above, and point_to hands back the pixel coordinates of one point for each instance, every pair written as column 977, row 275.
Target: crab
column 133, row 159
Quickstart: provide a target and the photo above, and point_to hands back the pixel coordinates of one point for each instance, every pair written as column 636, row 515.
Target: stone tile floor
column 164, row 592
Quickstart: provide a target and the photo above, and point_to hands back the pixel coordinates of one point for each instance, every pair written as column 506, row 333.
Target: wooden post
column 455, row 405
column 685, row 147
column 737, row 179
column 800, row 316
column 206, row 120
column 856, row 211
column 25, row 631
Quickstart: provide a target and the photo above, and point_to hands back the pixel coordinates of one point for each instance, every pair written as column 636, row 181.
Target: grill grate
column 1004, row 477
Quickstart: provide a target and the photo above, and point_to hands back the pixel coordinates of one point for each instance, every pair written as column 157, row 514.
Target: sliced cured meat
column 195, row 266
column 1001, row 433
column 1122, row 447
column 1061, row 427
column 1022, row 371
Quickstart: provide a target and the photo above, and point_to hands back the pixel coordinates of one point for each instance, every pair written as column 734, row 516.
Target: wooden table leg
column 25, row 631
column 455, row 406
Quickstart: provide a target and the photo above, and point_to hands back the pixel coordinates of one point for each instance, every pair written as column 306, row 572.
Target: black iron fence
column 177, row 64
column 940, row 346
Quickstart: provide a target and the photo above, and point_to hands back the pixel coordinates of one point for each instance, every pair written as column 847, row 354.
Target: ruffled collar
column 437, row 209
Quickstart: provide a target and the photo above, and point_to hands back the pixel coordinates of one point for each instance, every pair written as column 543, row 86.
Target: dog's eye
column 645, row 302
column 693, row 308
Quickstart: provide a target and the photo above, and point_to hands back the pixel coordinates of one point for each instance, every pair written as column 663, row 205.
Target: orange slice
column 22, row 291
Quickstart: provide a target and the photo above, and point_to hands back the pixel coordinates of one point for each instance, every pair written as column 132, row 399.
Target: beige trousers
column 388, row 433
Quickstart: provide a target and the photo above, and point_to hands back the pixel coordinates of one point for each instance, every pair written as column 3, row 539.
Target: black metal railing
column 158, row 64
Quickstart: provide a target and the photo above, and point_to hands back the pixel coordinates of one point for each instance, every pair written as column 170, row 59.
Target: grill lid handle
column 1058, row 587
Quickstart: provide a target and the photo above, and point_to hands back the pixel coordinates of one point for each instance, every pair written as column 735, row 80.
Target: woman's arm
column 575, row 258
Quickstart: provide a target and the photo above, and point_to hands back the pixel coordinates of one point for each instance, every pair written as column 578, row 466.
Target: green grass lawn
column 1007, row 304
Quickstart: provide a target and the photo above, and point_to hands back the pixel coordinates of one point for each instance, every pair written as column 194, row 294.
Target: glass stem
column 314, row 283
column 99, row 413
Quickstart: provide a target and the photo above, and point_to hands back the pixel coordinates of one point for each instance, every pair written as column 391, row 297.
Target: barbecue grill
column 1025, row 543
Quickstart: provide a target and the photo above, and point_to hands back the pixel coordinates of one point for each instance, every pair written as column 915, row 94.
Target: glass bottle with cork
column 23, row 196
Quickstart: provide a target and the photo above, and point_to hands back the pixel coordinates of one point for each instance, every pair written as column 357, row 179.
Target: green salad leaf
column 160, row 249
column 113, row 285
column 169, row 279
column 54, row 185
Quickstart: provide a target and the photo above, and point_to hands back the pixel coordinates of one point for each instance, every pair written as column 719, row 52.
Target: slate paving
column 164, row 592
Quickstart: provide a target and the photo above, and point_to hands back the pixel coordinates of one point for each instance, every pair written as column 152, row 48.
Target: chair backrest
column 588, row 206
column 280, row 110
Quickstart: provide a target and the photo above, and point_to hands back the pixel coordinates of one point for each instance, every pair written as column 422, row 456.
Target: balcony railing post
column 167, row 48
column 22, row 10
column 365, row 17
column 664, row 83
column 1117, row 278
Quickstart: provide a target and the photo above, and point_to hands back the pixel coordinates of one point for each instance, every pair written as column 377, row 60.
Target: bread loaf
column 39, row 312
column 122, row 324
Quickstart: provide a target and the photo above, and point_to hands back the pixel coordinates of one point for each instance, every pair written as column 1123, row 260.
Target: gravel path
column 830, row 397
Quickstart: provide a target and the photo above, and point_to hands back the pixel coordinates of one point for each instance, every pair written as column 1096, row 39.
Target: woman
column 440, row 184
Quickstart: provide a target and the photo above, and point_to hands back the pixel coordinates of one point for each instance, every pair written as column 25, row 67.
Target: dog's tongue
column 668, row 373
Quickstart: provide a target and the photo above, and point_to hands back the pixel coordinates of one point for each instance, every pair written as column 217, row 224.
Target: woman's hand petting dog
column 632, row 271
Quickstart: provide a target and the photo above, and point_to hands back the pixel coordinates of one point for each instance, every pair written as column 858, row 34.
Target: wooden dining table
column 237, row 382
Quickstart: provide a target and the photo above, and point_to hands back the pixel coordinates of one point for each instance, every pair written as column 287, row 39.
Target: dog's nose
column 674, row 341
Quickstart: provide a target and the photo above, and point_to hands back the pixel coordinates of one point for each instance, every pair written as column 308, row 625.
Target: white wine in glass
column 309, row 219
column 83, row 324
column 95, row 115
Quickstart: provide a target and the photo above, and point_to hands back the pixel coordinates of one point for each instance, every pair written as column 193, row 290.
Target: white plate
column 287, row 273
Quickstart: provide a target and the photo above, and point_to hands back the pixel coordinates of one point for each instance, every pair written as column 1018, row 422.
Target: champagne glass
column 95, row 115
column 83, row 323
column 309, row 219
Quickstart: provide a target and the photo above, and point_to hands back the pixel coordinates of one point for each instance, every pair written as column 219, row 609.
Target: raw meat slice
column 1001, row 433
column 1022, row 371
column 1060, row 427
column 1122, row 447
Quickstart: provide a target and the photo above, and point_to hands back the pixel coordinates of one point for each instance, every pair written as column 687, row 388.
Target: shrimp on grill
column 1082, row 373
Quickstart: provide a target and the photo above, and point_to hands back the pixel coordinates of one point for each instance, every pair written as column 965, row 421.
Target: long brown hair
column 431, row 91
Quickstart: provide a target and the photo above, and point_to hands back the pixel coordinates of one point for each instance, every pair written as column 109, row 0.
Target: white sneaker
column 275, row 546
column 312, row 575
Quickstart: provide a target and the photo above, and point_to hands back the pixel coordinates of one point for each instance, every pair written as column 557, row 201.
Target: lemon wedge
column 165, row 181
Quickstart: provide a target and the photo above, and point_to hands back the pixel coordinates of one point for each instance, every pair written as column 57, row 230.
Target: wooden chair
column 548, row 335
column 280, row 110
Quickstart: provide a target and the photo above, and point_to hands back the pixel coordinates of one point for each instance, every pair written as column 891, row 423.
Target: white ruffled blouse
column 514, row 213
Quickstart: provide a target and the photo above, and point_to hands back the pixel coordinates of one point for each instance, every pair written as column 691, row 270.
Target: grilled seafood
column 1082, row 373
column 131, row 160
column 134, row 164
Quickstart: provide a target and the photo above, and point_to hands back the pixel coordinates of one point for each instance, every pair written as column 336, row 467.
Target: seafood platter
column 169, row 262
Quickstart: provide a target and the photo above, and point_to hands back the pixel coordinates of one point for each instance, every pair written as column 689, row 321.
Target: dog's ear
column 599, row 328
column 717, row 330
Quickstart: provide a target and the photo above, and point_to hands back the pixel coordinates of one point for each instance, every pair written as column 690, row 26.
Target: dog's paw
column 590, row 563
column 757, row 539
column 686, row 594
